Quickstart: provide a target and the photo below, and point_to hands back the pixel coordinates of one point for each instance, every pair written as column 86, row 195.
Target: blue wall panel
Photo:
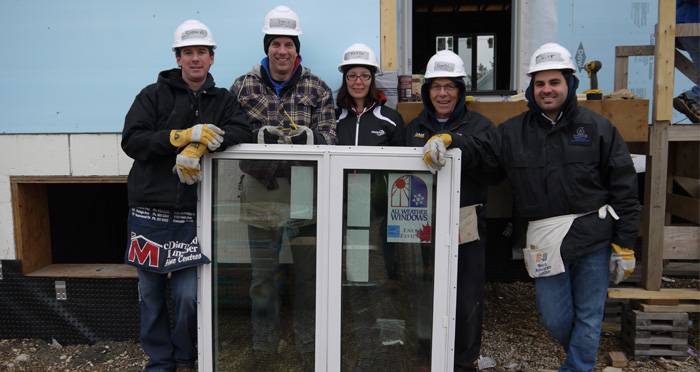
column 601, row 25
column 75, row 65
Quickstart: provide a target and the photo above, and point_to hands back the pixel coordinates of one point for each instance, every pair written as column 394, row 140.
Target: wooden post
column 664, row 52
column 655, row 206
column 388, row 41
column 657, row 168
column 621, row 72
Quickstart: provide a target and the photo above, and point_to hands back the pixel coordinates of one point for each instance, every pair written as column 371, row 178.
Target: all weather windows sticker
column 410, row 207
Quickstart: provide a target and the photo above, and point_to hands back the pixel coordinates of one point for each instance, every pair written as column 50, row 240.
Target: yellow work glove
column 434, row 151
column 622, row 263
column 208, row 134
column 187, row 163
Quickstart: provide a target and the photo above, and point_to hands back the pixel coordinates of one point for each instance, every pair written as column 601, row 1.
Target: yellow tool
column 592, row 68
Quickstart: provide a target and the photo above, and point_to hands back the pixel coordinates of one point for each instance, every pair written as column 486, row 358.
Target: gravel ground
column 512, row 338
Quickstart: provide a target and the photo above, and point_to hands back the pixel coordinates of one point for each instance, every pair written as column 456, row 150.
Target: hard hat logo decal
column 549, row 57
column 283, row 23
column 444, row 66
column 356, row 54
column 196, row 33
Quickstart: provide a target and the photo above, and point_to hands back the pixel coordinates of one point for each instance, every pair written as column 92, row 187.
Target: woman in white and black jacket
column 361, row 117
column 363, row 120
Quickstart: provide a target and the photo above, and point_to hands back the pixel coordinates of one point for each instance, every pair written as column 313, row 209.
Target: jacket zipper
column 357, row 124
column 196, row 102
column 357, row 129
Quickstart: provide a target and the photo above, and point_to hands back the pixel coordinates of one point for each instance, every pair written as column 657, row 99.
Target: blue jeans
column 572, row 306
column 267, row 282
column 168, row 348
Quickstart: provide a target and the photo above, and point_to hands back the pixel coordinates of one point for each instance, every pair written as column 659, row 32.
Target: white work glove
column 187, row 163
column 208, row 134
column 434, row 151
column 622, row 263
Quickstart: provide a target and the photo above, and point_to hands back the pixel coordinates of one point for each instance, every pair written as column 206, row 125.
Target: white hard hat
column 193, row 32
column 281, row 21
column 359, row 54
column 551, row 56
column 445, row 64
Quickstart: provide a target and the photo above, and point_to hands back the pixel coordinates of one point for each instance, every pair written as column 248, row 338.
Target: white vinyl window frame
column 331, row 163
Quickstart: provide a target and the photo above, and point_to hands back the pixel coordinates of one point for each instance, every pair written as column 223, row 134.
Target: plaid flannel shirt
column 309, row 102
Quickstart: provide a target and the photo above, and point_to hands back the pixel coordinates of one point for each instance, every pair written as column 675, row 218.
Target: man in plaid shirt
column 285, row 104
column 280, row 92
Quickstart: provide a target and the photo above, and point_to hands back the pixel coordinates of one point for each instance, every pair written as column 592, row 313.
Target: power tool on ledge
column 592, row 68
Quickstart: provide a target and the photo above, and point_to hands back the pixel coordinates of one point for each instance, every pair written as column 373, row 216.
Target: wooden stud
column 30, row 206
column 684, row 65
column 388, row 40
column 681, row 243
column 621, row 73
column 655, row 206
column 664, row 293
column 680, row 308
column 687, row 29
column 689, row 185
column 684, row 207
column 684, row 133
column 634, row 50
column 68, row 179
column 664, row 52
column 101, row 271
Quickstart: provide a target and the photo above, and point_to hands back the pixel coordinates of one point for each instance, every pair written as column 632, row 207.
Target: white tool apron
column 544, row 237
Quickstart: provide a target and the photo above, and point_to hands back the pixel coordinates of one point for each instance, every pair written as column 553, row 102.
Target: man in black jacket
column 446, row 123
column 574, row 181
column 170, row 125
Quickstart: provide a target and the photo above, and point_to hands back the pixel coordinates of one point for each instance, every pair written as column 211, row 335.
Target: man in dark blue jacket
column 446, row 123
column 574, row 181
column 168, row 128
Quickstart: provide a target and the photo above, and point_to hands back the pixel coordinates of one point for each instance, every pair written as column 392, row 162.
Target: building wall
column 53, row 155
column 75, row 66
column 72, row 68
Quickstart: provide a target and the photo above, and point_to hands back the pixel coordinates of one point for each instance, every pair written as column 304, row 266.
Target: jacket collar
column 173, row 78
column 429, row 110
column 568, row 108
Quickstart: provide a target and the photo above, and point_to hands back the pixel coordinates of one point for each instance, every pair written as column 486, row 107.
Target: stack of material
column 648, row 334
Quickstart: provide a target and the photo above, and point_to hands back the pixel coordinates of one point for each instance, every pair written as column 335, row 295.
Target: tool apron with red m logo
column 162, row 240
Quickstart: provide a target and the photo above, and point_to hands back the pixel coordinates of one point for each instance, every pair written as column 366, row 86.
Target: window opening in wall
column 479, row 32
column 70, row 226
column 88, row 222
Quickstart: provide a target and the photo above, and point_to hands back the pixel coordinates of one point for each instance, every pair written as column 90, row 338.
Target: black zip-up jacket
column 575, row 166
column 159, row 108
column 378, row 125
column 466, row 128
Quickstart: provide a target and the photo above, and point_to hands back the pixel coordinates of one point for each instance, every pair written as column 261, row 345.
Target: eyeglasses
column 353, row 77
column 448, row 88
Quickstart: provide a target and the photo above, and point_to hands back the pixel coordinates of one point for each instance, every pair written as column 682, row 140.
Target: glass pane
column 464, row 50
column 443, row 42
column 387, row 283
column 486, row 62
column 264, row 265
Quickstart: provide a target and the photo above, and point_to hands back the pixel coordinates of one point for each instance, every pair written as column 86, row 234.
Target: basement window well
column 71, row 226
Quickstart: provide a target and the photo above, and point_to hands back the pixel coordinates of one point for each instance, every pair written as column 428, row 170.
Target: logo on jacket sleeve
column 580, row 137
column 419, row 135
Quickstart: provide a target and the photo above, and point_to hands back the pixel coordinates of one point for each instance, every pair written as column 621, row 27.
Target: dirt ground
column 512, row 338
